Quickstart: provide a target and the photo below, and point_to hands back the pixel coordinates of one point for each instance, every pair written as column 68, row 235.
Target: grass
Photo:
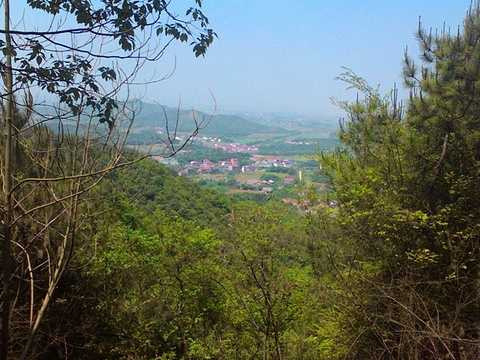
column 242, row 177
column 215, row 177
column 238, row 191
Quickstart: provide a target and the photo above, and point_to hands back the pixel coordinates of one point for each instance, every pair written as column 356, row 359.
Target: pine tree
column 404, row 239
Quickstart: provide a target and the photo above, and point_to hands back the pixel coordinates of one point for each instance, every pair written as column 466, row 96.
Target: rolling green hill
column 217, row 125
column 152, row 116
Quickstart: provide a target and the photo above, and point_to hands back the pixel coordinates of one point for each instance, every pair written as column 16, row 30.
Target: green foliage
column 269, row 176
column 153, row 285
column 199, row 153
column 266, row 282
column 403, row 237
column 181, row 296
column 280, row 148
column 282, row 170
column 45, row 194
column 151, row 186
column 387, row 267
column 258, row 198
column 74, row 78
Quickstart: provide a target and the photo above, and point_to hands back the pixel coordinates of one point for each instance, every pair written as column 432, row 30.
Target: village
column 260, row 162
column 264, row 173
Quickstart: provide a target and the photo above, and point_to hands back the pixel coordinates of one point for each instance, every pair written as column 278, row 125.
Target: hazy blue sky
column 279, row 55
column 283, row 55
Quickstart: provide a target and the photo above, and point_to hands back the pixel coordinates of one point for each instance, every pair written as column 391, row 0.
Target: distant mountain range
column 152, row 115
column 157, row 116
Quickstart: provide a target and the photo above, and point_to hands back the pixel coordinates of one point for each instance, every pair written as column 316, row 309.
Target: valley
column 254, row 158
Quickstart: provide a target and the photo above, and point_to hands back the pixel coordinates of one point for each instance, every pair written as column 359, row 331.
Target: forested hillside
column 401, row 250
column 173, row 271
column 153, row 115
column 152, row 188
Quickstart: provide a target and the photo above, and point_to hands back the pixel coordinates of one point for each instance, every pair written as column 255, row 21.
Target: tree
column 264, row 282
column 403, row 242
column 154, row 293
column 48, row 175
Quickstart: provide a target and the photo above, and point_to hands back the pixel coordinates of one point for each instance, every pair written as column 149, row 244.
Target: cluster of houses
column 207, row 167
column 265, row 162
column 232, row 166
column 235, row 147
column 206, row 139
column 217, row 143
column 298, row 142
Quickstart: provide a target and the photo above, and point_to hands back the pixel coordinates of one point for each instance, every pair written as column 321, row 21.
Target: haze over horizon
column 282, row 56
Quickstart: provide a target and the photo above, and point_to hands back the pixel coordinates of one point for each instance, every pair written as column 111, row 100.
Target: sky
column 283, row 56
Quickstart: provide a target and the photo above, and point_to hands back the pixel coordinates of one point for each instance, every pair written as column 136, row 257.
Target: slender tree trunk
column 53, row 284
column 7, row 185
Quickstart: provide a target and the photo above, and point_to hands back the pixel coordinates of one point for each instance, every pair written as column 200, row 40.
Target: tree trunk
column 7, row 185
